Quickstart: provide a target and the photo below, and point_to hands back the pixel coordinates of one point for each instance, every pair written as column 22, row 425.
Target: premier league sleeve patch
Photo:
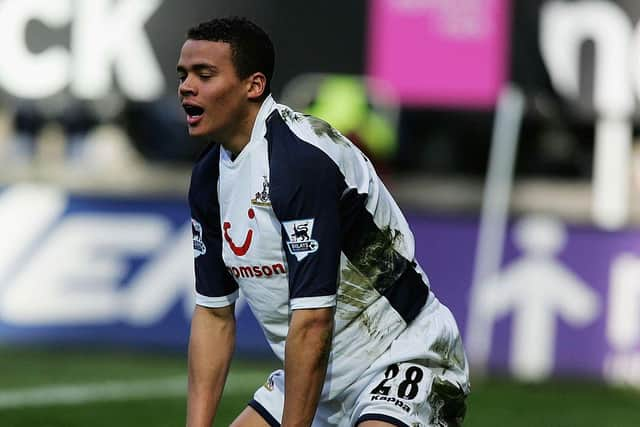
column 299, row 241
column 198, row 245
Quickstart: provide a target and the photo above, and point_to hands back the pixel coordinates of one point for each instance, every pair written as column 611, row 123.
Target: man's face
column 210, row 91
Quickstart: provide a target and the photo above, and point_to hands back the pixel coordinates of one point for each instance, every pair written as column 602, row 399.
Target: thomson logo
column 245, row 271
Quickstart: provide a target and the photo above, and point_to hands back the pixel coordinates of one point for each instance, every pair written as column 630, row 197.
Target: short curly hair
column 251, row 48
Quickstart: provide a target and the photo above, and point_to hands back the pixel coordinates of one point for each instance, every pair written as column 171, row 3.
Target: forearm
column 211, row 345
column 306, row 356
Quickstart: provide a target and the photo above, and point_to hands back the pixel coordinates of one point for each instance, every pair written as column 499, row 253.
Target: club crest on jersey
column 198, row 245
column 299, row 232
column 262, row 197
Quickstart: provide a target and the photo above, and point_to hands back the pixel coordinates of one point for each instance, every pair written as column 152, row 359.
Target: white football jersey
column 299, row 219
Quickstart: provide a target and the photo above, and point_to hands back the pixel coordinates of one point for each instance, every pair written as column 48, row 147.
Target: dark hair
column 251, row 47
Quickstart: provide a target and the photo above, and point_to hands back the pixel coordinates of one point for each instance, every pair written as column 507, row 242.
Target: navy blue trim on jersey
column 212, row 277
column 305, row 184
column 380, row 417
column 262, row 411
column 408, row 295
column 371, row 250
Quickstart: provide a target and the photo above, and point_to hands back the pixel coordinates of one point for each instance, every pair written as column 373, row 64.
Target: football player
column 288, row 210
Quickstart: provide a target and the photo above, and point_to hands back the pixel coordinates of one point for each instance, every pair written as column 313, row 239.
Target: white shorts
column 421, row 380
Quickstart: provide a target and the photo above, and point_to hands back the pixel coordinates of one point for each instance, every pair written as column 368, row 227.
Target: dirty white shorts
column 421, row 380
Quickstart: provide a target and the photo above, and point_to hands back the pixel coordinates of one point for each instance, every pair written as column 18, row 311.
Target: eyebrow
column 197, row 67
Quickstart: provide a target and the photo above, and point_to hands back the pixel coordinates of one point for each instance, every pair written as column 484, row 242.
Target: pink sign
column 439, row 52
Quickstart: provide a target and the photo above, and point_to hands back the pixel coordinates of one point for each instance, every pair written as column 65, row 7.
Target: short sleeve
column 305, row 193
column 215, row 287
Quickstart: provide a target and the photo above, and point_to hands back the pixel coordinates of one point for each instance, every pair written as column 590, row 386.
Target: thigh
column 250, row 418
column 374, row 424
column 422, row 380
column 411, row 394
column 267, row 403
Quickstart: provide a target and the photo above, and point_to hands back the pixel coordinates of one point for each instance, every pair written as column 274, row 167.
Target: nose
column 187, row 87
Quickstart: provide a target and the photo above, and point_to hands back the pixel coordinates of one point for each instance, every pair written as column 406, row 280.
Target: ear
column 256, row 85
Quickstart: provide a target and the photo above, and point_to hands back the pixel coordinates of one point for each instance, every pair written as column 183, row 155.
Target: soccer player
column 288, row 210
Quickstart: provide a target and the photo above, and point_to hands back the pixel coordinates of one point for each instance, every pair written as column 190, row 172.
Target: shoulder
column 204, row 177
column 309, row 148
column 209, row 157
column 297, row 137
column 304, row 167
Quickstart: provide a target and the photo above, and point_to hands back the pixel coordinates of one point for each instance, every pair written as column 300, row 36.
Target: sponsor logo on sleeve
column 299, row 233
column 198, row 245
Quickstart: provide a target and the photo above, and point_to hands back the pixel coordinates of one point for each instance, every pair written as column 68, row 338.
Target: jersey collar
column 260, row 125
column 257, row 133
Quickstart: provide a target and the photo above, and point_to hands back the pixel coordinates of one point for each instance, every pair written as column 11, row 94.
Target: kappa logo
column 396, row 401
column 198, row 245
column 299, row 233
column 262, row 197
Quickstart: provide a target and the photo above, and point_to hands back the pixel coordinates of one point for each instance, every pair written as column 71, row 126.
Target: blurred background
column 507, row 130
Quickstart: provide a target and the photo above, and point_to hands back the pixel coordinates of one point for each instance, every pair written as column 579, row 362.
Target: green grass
column 32, row 367
column 552, row 404
column 498, row 402
column 26, row 368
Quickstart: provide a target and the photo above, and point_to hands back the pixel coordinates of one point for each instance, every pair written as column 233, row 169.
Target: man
column 288, row 210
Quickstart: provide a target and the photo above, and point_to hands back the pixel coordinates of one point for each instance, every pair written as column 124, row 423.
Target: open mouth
column 193, row 110
column 194, row 113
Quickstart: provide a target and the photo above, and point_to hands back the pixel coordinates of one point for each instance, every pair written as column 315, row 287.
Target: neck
column 241, row 133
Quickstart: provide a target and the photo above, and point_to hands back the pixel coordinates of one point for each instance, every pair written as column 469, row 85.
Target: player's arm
column 306, row 354
column 211, row 345
column 213, row 324
column 306, row 195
